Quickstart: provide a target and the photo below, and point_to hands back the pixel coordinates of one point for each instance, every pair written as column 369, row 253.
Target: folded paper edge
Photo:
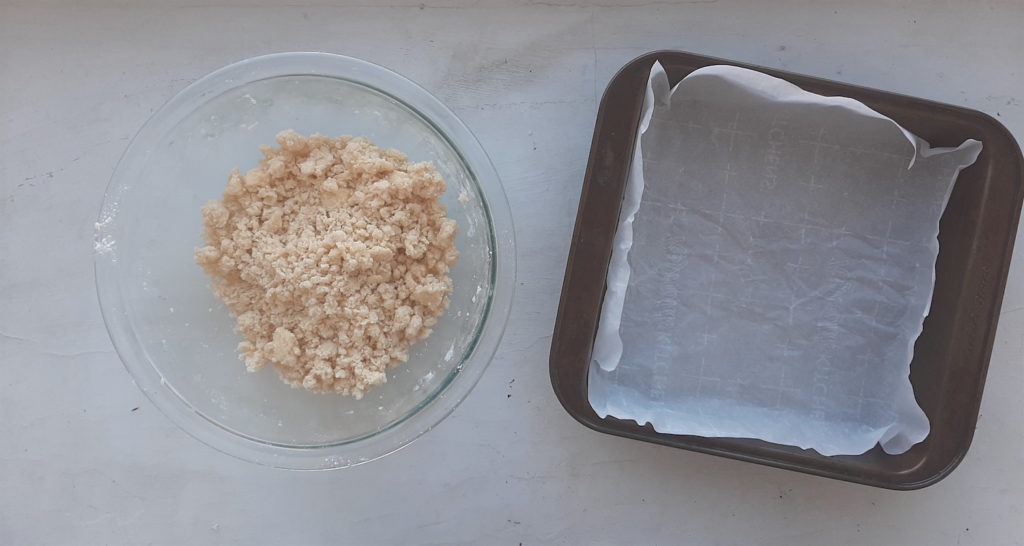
column 608, row 344
column 895, row 440
column 780, row 90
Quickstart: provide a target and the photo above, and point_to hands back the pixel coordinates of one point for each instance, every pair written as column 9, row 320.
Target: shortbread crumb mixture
column 333, row 254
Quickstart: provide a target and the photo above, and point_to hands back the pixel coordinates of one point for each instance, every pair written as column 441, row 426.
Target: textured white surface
column 79, row 466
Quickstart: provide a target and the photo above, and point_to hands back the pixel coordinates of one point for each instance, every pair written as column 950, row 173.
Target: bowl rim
column 462, row 378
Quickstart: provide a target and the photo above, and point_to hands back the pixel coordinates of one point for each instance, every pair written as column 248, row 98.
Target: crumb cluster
column 333, row 254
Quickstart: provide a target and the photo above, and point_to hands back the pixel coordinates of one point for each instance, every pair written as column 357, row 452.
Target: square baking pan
column 951, row 356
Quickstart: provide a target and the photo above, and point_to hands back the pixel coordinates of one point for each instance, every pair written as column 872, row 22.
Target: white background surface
column 79, row 466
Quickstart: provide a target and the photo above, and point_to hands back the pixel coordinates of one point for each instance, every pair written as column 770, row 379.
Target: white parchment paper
column 774, row 262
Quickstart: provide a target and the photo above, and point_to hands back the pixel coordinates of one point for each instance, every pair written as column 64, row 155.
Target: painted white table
column 80, row 465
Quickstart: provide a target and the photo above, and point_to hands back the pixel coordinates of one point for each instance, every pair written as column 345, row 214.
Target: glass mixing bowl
column 176, row 338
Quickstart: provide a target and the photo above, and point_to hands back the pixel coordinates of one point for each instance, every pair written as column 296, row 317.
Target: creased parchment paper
column 773, row 265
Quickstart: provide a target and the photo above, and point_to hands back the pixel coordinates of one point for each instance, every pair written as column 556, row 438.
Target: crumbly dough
column 333, row 254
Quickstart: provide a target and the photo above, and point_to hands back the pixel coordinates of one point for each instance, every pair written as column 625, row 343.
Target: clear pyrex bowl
column 175, row 337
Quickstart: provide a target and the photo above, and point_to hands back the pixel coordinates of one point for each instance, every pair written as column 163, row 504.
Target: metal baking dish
column 951, row 356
